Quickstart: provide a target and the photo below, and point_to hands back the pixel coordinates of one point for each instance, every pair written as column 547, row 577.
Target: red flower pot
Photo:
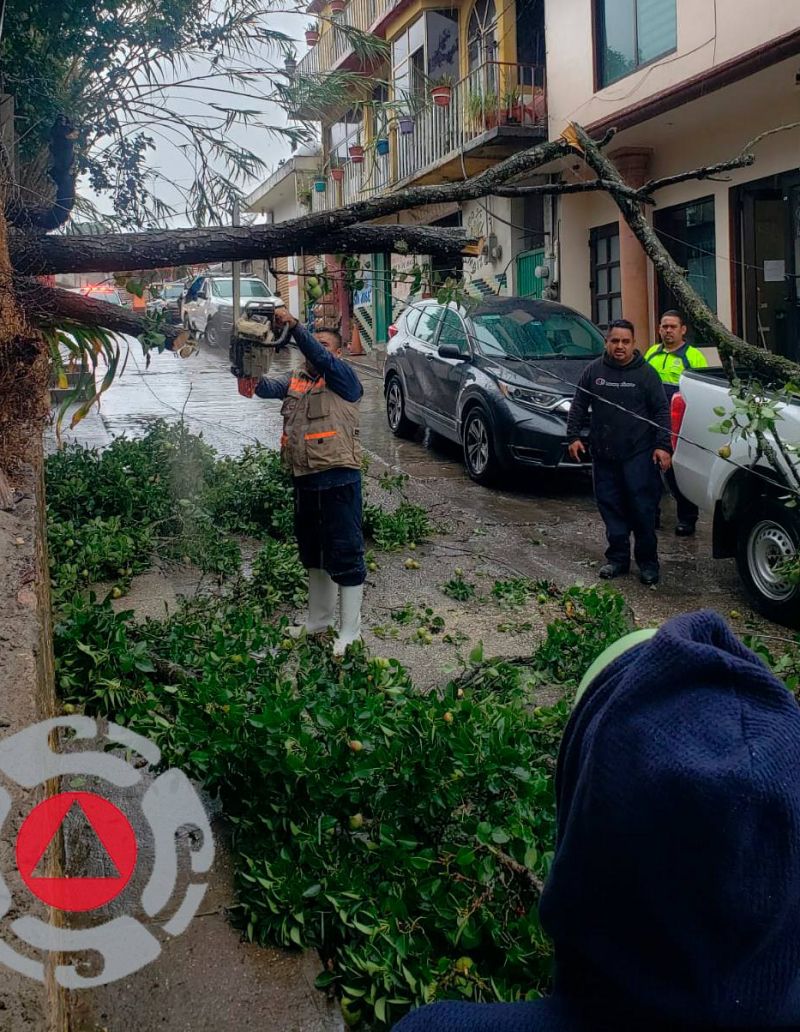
column 337, row 6
column 337, row 175
column 312, row 37
column 356, row 152
column 441, row 95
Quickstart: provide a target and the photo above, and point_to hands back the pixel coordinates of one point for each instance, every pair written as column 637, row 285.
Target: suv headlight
column 536, row 399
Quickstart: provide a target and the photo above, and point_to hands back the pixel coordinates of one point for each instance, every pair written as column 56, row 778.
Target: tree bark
column 52, row 306
column 122, row 252
column 772, row 368
column 332, row 231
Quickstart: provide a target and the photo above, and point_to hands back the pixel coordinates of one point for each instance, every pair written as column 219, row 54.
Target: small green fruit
column 355, row 746
column 68, row 707
column 725, row 451
column 463, row 964
column 356, row 821
column 448, row 717
column 541, row 599
column 116, row 593
column 409, row 564
column 372, row 567
column 458, row 572
column 412, row 547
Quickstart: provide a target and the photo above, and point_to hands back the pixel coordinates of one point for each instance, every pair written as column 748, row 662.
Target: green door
column 381, row 297
column 528, row 283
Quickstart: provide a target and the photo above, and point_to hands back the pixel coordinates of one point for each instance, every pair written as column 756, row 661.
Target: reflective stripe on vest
column 318, row 437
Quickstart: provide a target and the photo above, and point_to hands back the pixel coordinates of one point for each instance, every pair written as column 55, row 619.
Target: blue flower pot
column 320, row 185
column 382, row 146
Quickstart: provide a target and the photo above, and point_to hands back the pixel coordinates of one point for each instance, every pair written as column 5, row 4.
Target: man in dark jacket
column 629, row 434
column 321, row 447
column 673, row 900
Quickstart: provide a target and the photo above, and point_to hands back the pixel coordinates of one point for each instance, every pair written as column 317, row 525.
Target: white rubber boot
column 350, row 619
column 323, row 594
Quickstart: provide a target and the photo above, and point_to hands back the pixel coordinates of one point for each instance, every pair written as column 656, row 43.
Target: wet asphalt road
column 543, row 525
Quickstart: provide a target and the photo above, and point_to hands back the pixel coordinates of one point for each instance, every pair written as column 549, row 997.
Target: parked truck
column 742, row 492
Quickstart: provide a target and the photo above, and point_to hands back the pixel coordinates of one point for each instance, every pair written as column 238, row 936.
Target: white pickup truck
column 743, row 493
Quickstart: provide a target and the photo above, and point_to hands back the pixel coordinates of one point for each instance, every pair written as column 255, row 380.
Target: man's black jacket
column 618, row 433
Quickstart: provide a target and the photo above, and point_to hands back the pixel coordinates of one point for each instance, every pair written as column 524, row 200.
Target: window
column 426, row 327
column 453, row 333
column 631, row 33
column 412, row 318
column 605, row 275
column 530, row 330
column 427, row 49
column 482, row 34
column 688, row 232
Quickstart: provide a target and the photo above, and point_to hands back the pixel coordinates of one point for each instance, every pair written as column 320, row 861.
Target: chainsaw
column 254, row 343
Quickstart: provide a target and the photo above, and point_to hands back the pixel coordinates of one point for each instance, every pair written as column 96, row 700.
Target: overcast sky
column 176, row 167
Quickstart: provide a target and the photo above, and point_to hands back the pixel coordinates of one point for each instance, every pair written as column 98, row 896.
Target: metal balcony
column 334, row 48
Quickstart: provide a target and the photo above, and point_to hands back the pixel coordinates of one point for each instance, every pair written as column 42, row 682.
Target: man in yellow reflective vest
column 670, row 359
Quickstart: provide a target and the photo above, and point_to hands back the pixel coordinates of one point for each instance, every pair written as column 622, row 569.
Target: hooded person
column 673, row 900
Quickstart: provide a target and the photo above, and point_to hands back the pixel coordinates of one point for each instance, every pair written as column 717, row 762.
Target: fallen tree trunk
column 329, row 231
column 153, row 249
column 55, row 307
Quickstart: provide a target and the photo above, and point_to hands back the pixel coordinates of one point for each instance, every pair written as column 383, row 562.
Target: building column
column 634, row 164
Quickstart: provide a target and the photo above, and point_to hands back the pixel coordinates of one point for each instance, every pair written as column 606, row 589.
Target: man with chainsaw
column 320, row 445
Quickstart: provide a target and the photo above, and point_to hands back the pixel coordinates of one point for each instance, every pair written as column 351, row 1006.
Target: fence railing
column 334, row 44
column 493, row 95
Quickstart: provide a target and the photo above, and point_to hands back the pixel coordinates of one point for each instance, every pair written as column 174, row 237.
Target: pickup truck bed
column 745, row 495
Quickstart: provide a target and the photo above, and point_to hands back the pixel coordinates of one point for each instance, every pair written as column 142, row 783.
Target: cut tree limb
column 732, row 349
column 153, row 249
column 52, row 306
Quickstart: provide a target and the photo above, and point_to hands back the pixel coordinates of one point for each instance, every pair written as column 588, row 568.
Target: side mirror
column 452, row 351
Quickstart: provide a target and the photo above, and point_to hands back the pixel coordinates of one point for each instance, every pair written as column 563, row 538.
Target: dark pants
column 687, row 511
column 327, row 522
column 627, row 495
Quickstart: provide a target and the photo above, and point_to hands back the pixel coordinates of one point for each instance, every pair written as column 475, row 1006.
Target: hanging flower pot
column 441, row 95
column 290, row 64
column 337, row 175
column 406, row 125
column 320, row 185
column 382, row 145
column 356, row 152
column 337, row 6
column 312, row 37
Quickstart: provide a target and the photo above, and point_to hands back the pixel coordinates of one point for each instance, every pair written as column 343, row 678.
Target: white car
column 208, row 305
column 741, row 490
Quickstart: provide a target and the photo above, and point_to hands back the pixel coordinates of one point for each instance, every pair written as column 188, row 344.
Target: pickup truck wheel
column 213, row 333
column 480, row 456
column 769, row 536
column 399, row 423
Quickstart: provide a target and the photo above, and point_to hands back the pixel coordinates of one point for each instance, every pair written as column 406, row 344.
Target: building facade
column 687, row 84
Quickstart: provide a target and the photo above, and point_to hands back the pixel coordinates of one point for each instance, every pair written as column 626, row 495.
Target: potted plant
column 482, row 108
column 405, row 123
column 337, row 6
column 356, row 152
column 442, row 91
column 337, row 173
column 290, row 63
column 312, row 34
column 512, row 105
column 382, row 145
column 320, row 183
column 304, row 198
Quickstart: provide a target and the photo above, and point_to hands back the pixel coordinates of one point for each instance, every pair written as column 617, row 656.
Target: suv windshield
column 249, row 288
column 525, row 333
column 172, row 291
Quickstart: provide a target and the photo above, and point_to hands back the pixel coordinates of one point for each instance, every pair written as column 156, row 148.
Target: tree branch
column 774, row 367
column 551, row 189
column 154, row 249
column 331, row 231
column 52, row 306
column 742, row 161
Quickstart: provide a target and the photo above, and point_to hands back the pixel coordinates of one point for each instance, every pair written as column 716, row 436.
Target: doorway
column 769, row 287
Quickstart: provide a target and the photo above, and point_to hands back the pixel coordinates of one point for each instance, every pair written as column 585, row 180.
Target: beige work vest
column 320, row 428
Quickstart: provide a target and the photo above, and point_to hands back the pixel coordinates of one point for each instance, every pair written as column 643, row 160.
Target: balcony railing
column 335, row 45
column 508, row 98
column 495, row 94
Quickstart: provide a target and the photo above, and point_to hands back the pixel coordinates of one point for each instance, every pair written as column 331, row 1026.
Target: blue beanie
column 674, row 896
